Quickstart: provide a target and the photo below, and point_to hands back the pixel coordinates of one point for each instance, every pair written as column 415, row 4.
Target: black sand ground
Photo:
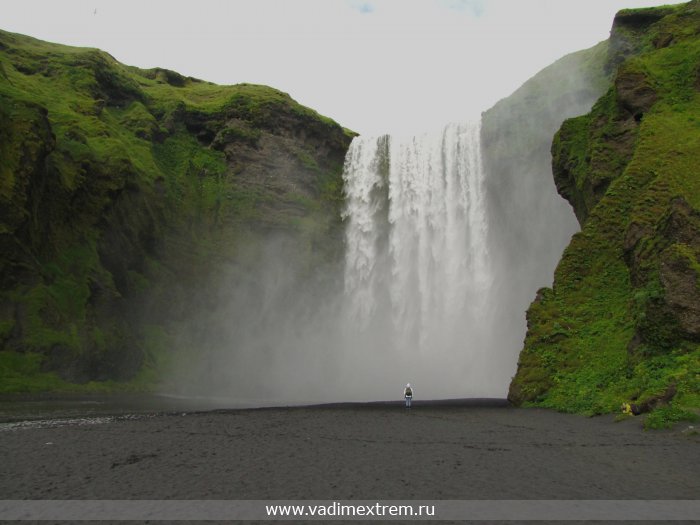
column 351, row 452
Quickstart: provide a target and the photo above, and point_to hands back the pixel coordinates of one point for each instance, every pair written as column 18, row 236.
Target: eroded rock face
column 623, row 315
column 582, row 175
column 634, row 93
column 584, row 179
column 628, row 29
column 679, row 270
column 27, row 137
column 664, row 260
column 679, row 278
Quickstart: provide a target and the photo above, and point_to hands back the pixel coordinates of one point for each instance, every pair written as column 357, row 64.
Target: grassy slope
column 603, row 335
column 106, row 172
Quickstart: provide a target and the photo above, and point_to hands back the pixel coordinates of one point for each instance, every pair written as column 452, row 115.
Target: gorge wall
column 125, row 193
column 620, row 323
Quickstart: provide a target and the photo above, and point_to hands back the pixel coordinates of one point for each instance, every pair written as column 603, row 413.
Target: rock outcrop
column 621, row 321
column 122, row 191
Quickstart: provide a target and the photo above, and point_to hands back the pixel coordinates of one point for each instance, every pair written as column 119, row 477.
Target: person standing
column 408, row 394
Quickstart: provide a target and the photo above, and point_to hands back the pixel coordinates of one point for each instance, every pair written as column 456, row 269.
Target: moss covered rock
column 122, row 190
column 620, row 323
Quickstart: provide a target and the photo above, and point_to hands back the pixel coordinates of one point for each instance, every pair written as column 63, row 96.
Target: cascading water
column 427, row 295
column 417, row 274
column 445, row 250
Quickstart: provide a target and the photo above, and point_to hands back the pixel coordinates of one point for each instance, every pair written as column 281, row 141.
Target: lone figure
column 408, row 394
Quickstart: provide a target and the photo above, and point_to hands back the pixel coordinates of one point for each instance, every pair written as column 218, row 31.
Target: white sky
column 372, row 65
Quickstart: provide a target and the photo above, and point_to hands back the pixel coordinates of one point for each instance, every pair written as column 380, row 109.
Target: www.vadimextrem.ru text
column 344, row 510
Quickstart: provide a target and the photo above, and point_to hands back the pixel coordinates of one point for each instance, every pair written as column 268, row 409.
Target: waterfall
column 417, row 272
column 423, row 300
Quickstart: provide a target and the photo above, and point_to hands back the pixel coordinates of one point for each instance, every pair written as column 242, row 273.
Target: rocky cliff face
column 123, row 190
column 621, row 321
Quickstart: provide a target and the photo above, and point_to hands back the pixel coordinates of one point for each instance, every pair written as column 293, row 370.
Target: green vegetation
column 667, row 416
column 121, row 190
column 621, row 322
column 22, row 372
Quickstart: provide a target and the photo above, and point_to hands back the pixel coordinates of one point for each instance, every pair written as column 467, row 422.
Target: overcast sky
column 372, row 65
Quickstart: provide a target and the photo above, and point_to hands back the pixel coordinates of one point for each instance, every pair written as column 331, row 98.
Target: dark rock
column 582, row 172
column 651, row 403
column 682, row 224
column 62, row 360
column 666, row 255
column 113, row 86
column 634, row 93
column 637, row 238
column 639, row 19
column 204, row 126
column 681, row 283
column 629, row 28
column 663, row 40
column 171, row 77
column 635, row 233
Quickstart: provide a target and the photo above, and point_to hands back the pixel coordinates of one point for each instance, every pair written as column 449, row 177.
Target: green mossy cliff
column 621, row 323
column 123, row 190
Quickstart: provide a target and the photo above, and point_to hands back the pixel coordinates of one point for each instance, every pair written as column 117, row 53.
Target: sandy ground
column 350, row 452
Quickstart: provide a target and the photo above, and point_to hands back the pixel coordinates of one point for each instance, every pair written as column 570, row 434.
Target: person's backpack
column 409, row 392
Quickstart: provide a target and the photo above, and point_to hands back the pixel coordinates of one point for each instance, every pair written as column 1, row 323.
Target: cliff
column 123, row 191
column 621, row 323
